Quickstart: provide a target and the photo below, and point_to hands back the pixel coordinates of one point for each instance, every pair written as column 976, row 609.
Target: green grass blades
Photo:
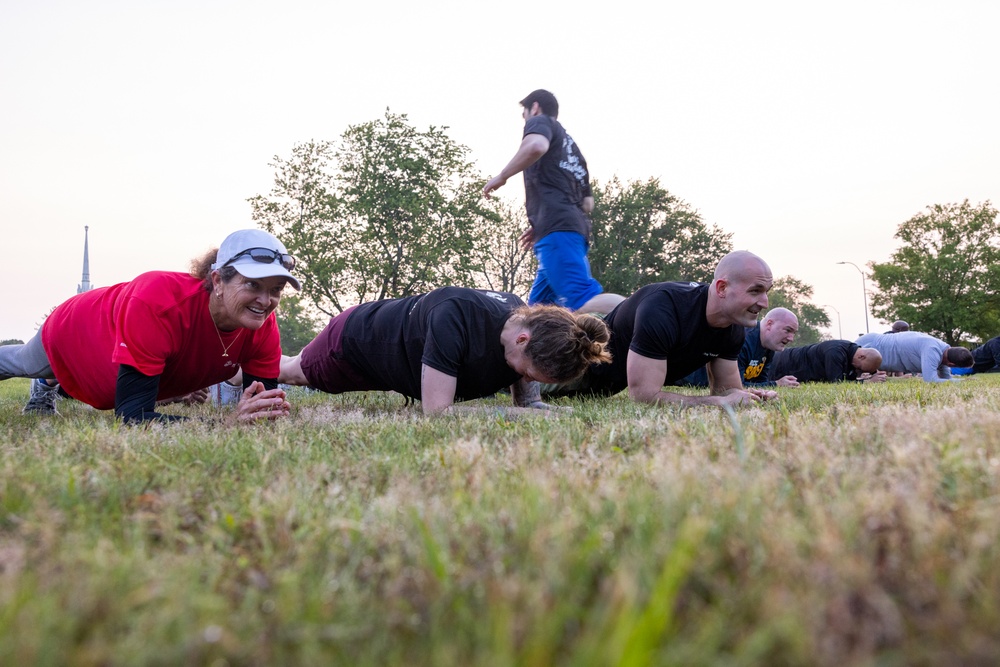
column 843, row 524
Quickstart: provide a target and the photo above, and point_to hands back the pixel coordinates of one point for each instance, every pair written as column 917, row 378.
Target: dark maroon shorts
column 323, row 361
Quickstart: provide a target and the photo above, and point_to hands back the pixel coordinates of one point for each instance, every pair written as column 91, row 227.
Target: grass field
column 840, row 525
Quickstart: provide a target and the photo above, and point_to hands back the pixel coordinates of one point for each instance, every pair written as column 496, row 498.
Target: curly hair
column 201, row 267
column 563, row 344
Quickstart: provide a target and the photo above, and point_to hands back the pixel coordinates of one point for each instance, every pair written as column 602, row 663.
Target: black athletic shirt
column 454, row 330
column 663, row 321
column 555, row 185
column 829, row 361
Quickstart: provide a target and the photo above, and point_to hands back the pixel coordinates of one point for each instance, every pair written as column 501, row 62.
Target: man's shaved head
column 778, row 328
column 739, row 290
column 740, row 263
column 780, row 315
column 867, row 359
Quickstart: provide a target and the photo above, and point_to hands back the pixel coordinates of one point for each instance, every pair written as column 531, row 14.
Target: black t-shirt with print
column 555, row 185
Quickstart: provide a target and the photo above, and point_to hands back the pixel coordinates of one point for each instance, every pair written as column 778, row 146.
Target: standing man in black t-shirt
column 558, row 200
column 666, row 330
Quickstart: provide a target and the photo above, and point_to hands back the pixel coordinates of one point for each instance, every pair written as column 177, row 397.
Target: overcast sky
column 808, row 130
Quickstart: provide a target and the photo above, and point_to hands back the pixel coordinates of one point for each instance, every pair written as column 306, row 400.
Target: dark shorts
column 323, row 361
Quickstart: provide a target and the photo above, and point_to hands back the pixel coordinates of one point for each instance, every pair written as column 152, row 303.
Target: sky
column 809, row 131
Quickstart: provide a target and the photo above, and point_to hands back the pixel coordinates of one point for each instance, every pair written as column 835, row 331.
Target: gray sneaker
column 43, row 399
column 226, row 394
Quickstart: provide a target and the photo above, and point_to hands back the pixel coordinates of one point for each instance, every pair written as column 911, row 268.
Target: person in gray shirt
column 915, row 352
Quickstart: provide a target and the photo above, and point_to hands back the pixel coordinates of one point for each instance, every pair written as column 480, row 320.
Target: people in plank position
column 915, row 352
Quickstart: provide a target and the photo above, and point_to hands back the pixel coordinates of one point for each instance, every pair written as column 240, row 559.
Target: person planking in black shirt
column 451, row 344
column 664, row 331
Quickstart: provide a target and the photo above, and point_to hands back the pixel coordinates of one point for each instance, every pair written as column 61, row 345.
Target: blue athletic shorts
column 563, row 271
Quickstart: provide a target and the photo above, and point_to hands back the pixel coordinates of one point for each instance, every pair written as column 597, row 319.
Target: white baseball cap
column 272, row 258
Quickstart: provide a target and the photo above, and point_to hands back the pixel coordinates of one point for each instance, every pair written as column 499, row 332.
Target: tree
column 387, row 212
column 500, row 262
column 12, row 341
column 643, row 234
column 945, row 277
column 793, row 294
column 303, row 211
column 295, row 324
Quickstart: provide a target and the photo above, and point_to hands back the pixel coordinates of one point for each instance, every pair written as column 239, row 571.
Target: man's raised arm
column 532, row 148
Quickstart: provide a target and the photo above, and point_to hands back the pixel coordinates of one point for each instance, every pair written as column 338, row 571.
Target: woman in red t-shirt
column 166, row 334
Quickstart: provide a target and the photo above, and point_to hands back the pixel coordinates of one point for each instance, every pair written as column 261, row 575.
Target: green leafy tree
column 795, row 295
column 296, row 324
column 303, row 210
column 945, row 277
column 12, row 341
column 387, row 212
column 499, row 261
column 643, row 234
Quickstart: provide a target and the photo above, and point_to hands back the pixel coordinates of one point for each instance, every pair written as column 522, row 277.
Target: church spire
column 84, row 285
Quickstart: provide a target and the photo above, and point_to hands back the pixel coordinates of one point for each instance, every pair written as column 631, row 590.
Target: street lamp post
column 840, row 329
column 864, row 291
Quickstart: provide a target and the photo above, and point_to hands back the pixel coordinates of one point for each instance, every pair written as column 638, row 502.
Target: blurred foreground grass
column 840, row 525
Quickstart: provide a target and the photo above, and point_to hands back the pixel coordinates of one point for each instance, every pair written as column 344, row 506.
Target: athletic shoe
column 43, row 399
column 226, row 394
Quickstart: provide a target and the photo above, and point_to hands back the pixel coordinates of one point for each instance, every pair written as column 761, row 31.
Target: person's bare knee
column 291, row 372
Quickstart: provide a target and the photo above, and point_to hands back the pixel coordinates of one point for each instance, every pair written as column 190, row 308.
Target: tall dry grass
column 840, row 525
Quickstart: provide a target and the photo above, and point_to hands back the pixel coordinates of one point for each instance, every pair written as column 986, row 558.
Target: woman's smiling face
column 246, row 302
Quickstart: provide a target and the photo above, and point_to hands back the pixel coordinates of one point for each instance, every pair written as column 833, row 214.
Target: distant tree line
column 389, row 211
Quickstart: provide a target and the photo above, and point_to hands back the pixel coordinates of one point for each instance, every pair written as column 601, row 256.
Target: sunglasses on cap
column 264, row 256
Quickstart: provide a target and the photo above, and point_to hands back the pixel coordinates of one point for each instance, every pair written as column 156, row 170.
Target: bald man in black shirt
column 664, row 331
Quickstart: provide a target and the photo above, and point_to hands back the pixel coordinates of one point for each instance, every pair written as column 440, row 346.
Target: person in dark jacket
column 775, row 331
column 986, row 357
column 830, row 361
